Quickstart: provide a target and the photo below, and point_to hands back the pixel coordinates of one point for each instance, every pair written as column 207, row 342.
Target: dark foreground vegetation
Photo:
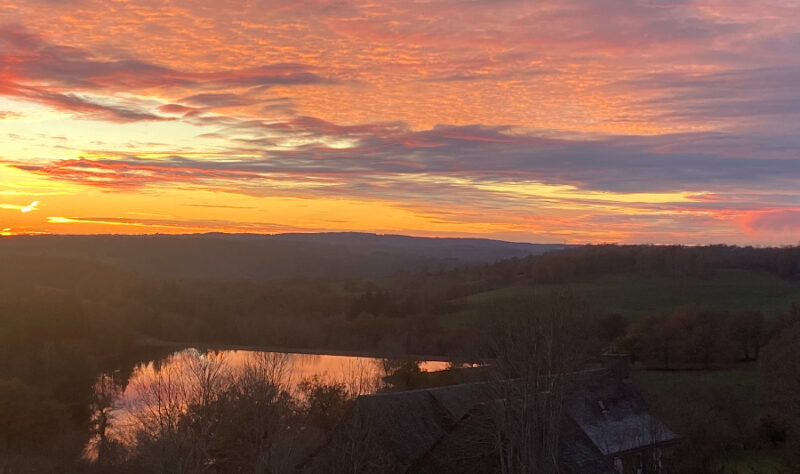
column 714, row 331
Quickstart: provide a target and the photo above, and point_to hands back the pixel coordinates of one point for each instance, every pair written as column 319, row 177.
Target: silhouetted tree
column 747, row 329
column 687, row 337
column 779, row 369
column 538, row 340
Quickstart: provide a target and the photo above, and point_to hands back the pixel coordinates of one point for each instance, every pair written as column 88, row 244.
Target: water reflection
column 158, row 394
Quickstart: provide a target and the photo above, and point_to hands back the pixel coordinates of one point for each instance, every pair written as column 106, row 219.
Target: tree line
column 64, row 321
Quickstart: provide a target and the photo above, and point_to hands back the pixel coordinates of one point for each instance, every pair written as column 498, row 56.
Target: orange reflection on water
column 158, row 393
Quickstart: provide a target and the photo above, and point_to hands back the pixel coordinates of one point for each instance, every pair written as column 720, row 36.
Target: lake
column 164, row 388
column 292, row 368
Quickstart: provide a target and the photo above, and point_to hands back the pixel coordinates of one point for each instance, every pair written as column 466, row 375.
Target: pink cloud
column 779, row 221
column 56, row 75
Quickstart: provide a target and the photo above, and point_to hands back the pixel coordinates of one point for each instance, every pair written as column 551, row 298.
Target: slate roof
column 611, row 413
column 450, row 429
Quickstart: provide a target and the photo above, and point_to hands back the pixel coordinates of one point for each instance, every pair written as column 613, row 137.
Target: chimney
column 618, row 365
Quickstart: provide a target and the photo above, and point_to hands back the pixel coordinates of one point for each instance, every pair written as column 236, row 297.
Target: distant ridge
column 221, row 256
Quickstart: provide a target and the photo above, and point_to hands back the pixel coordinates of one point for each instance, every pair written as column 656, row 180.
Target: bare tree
column 199, row 412
column 167, row 412
column 255, row 432
column 357, row 448
column 536, row 340
column 105, row 394
column 361, row 378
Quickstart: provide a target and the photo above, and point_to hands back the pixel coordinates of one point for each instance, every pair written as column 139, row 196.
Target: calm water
column 182, row 378
column 291, row 368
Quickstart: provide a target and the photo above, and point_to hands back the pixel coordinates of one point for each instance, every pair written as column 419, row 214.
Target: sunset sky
column 543, row 121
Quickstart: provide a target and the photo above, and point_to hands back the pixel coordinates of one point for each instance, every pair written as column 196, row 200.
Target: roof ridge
column 577, row 373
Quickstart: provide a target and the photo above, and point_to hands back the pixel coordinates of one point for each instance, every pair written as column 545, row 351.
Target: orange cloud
column 665, row 121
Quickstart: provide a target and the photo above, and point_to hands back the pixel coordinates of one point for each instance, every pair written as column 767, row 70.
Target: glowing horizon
column 649, row 121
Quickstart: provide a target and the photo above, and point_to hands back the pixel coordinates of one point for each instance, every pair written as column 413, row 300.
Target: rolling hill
column 259, row 257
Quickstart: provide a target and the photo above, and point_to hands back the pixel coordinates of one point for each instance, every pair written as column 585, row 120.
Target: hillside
column 258, row 257
column 637, row 294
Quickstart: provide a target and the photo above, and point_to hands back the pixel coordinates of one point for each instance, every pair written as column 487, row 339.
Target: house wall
column 653, row 460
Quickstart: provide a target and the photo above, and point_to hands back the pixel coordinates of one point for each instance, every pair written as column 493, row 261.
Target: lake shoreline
column 153, row 342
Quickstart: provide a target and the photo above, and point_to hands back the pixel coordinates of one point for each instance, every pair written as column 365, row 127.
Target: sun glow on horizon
column 531, row 122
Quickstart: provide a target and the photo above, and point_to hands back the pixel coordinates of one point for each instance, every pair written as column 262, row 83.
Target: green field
column 739, row 383
column 634, row 295
column 742, row 379
column 751, row 462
